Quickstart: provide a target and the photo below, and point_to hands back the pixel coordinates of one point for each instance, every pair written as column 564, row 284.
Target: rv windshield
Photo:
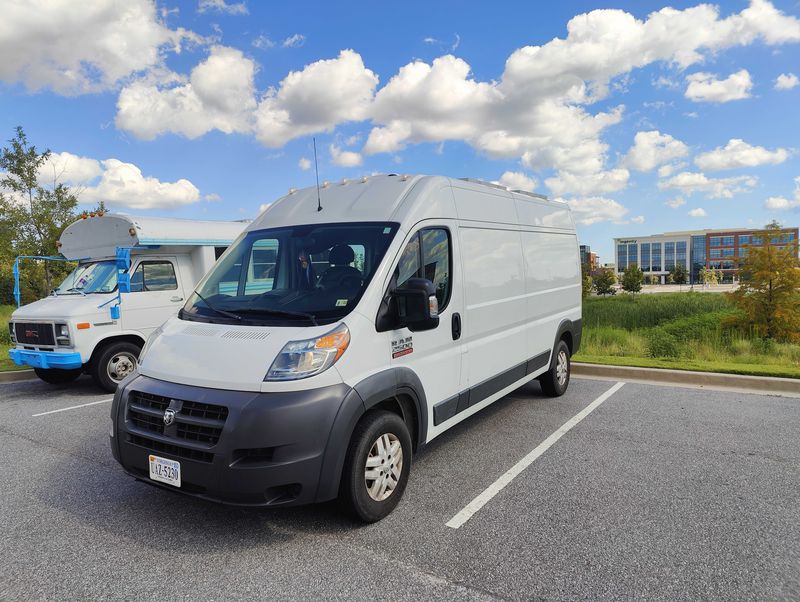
column 314, row 274
column 97, row 277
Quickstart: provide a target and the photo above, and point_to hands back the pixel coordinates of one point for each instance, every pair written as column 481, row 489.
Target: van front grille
column 35, row 333
column 173, row 450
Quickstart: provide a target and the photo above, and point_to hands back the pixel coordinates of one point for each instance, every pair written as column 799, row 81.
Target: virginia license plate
column 165, row 471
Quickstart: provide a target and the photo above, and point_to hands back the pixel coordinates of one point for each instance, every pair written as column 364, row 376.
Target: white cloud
column 219, row 94
column 77, row 49
column 123, row 185
column 667, row 170
column 220, row 6
column 592, row 210
column 691, row 182
column 639, row 219
column 786, row 81
column 344, row 158
column 588, row 184
column 678, row 201
column 699, row 212
column 68, row 169
column 737, row 153
column 781, row 203
column 517, row 180
column 653, row 148
column 294, row 41
column 321, row 96
column 212, row 197
column 304, row 164
column 704, row 87
column 263, row 42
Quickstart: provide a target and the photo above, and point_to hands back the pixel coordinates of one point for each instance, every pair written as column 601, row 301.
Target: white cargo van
column 386, row 311
column 132, row 274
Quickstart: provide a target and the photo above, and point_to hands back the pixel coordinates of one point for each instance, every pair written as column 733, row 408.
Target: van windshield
column 313, row 273
column 96, row 277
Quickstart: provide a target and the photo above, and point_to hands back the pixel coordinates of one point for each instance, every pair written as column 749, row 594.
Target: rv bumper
column 235, row 447
column 46, row 359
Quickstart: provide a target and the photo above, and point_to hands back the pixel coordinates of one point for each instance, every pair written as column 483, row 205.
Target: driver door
column 156, row 294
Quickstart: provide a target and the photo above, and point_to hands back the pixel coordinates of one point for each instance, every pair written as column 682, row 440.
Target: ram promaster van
column 132, row 274
column 386, row 310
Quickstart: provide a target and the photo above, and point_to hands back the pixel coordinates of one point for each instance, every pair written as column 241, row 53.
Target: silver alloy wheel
column 384, row 467
column 562, row 368
column 121, row 365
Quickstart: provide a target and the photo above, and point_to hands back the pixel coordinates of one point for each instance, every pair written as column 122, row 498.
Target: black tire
column 57, row 376
column 551, row 385
column 112, row 353
column 353, row 493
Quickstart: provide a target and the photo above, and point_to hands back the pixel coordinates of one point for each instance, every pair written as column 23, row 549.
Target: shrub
column 661, row 343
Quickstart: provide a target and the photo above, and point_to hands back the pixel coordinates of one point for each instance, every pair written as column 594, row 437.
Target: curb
column 684, row 378
column 15, row 375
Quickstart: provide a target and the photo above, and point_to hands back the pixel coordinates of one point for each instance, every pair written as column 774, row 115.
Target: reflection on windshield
column 314, row 273
column 97, row 277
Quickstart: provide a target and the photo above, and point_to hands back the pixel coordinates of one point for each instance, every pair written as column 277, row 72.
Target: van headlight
column 301, row 359
column 62, row 335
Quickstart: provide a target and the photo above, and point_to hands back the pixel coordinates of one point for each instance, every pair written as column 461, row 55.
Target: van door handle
column 456, row 326
column 176, row 299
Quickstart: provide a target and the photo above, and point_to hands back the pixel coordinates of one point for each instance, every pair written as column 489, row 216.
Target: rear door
column 156, row 294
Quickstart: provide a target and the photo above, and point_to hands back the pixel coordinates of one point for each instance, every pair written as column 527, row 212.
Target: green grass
column 5, row 339
column 682, row 331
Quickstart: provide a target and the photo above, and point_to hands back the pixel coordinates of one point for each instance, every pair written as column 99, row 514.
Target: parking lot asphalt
column 658, row 493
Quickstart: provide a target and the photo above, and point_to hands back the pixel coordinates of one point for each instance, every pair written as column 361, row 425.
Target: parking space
column 657, row 493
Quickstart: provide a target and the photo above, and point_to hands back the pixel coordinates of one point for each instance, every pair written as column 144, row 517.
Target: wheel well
column 407, row 410
column 567, row 338
column 124, row 338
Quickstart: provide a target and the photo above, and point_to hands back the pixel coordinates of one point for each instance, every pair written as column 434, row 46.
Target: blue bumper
column 46, row 359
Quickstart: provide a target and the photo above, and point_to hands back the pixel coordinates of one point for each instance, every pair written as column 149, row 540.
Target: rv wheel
column 377, row 466
column 556, row 380
column 57, row 376
column 114, row 362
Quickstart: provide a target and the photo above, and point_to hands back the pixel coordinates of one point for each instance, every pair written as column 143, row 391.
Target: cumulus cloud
column 698, row 212
column 69, row 169
column 219, row 94
column 639, row 219
column 678, row 201
column 220, row 6
column 653, row 148
column 592, row 210
column 737, row 153
column 667, row 170
column 705, row 87
column 344, row 158
column 781, row 203
column 81, row 49
column 588, row 184
column 304, row 164
column 517, row 180
column 786, row 81
column 691, row 182
column 294, row 41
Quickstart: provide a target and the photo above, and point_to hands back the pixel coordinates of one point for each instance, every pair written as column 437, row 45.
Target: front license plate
column 165, row 471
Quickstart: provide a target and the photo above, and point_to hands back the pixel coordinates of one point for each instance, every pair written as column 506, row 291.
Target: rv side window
column 154, row 276
column 427, row 255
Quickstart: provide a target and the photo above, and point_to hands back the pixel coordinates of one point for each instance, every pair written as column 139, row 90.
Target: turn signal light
column 83, row 325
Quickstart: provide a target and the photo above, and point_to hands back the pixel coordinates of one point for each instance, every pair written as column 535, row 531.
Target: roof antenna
column 316, row 172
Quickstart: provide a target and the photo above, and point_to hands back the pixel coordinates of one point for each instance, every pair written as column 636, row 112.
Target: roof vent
column 343, row 182
column 325, row 184
column 535, row 195
column 292, row 190
column 364, row 180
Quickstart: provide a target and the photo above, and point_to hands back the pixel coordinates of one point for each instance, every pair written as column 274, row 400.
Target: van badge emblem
column 169, row 416
column 401, row 347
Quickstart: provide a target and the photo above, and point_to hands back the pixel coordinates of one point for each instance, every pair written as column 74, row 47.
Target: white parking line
column 479, row 502
column 83, row 405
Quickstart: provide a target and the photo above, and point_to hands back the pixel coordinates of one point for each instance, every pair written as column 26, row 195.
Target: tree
column 632, row 279
column 709, row 276
column 768, row 296
column 586, row 281
column 32, row 213
column 679, row 274
column 603, row 281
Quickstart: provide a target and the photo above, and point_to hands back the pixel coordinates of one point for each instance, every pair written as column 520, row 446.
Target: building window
column 622, row 257
column 655, row 260
column 715, row 253
column 744, row 239
column 727, row 241
column 743, row 251
column 645, row 250
column 633, row 254
column 669, row 256
column 757, row 240
column 727, row 252
column 714, row 241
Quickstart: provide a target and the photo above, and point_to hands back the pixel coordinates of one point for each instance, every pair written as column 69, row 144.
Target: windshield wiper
column 221, row 312
column 75, row 288
column 280, row 312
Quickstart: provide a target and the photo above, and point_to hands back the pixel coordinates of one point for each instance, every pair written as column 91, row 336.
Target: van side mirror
column 417, row 307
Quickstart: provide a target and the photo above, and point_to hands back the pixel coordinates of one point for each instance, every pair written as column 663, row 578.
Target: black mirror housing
column 417, row 307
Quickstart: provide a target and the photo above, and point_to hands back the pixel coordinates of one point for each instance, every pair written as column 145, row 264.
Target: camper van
column 387, row 310
column 132, row 274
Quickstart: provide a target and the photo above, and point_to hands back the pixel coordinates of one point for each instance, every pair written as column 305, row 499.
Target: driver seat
column 340, row 258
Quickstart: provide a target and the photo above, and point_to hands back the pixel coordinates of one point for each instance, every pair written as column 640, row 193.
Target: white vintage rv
column 132, row 274
column 344, row 331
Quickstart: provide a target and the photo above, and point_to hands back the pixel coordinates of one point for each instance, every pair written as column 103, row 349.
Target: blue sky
column 644, row 116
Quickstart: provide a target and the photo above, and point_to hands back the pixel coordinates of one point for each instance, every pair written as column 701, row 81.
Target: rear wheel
column 114, row 362
column 57, row 376
column 556, row 380
column 377, row 466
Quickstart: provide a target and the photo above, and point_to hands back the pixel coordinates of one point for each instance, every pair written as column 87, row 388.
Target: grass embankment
column 683, row 331
column 5, row 339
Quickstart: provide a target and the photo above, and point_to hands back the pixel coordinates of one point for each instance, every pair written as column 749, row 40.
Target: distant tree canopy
column 603, row 281
column 632, row 279
column 679, row 274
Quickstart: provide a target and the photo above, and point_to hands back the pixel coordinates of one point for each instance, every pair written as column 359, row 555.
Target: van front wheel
column 377, row 466
column 114, row 362
column 556, row 380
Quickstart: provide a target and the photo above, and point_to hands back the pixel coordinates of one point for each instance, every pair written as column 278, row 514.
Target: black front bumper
column 270, row 449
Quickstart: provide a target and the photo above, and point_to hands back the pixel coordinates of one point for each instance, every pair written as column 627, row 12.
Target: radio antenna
column 316, row 172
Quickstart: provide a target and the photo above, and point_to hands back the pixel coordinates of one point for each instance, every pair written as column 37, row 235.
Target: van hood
column 63, row 307
column 218, row 356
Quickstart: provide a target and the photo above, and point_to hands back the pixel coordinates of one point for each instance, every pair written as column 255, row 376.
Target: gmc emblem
column 32, row 334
